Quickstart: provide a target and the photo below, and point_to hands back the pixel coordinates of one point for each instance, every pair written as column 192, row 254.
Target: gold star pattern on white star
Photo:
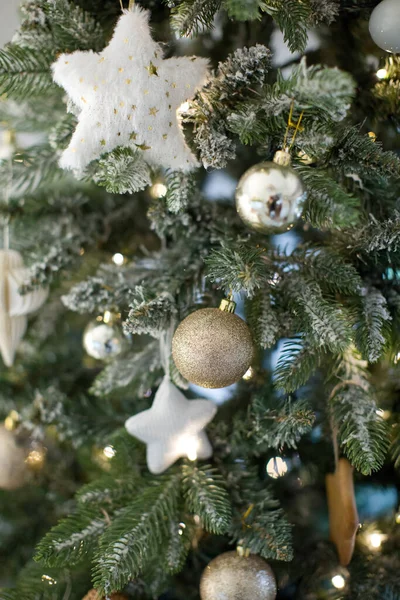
column 173, row 428
column 15, row 307
column 128, row 95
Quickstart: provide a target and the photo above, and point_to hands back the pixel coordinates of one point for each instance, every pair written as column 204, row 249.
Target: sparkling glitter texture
column 234, row 577
column 270, row 197
column 212, row 348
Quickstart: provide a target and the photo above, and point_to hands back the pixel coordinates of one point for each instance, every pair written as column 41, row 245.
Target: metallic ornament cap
column 227, row 305
column 283, row 158
column 238, row 578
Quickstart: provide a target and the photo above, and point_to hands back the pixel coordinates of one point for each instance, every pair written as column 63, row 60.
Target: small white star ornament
column 15, row 307
column 128, row 95
column 173, row 428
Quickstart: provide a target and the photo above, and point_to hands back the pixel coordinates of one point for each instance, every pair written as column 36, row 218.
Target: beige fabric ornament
column 15, row 307
column 213, row 347
column 343, row 516
column 128, row 95
column 234, row 577
column 173, row 427
column 13, row 469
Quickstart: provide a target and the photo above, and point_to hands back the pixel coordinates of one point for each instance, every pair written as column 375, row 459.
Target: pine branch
column 31, row 169
column 362, row 432
column 135, row 535
column 181, row 189
column 372, row 328
column 262, row 320
column 324, row 322
column 109, row 491
column 190, row 17
column 295, row 365
column 147, row 314
column 328, row 206
column 206, row 496
column 122, row 171
column 179, row 541
column 69, row 542
column 123, row 371
column 276, row 423
column 24, row 72
column 265, row 529
column 292, row 17
column 238, row 268
column 72, row 28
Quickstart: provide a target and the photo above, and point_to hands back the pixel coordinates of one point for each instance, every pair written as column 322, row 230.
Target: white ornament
column 384, row 25
column 173, row 427
column 13, row 469
column 128, row 95
column 15, row 307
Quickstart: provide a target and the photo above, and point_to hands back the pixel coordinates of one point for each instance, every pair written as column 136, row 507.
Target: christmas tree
column 200, row 300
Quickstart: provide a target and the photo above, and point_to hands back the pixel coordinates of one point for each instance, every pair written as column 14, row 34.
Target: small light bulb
column 158, row 190
column 118, row 259
column 398, row 518
column 397, row 358
column 381, row 73
column 109, row 451
column 276, row 467
column 375, row 539
column 107, row 316
column 338, row 581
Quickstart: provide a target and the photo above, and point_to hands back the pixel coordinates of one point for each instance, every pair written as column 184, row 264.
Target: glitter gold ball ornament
column 384, row 25
column 93, row 595
column 103, row 340
column 213, row 347
column 270, row 195
column 13, row 470
column 234, row 577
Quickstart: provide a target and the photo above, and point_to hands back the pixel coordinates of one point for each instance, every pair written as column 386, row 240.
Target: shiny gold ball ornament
column 213, row 347
column 234, row 577
column 270, row 195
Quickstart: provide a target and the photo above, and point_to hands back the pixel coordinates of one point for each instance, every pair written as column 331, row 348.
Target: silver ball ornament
column 234, row 577
column 102, row 340
column 270, row 196
column 384, row 25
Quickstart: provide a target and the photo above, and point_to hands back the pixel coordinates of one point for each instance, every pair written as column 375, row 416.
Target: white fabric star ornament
column 128, row 95
column 15, row 307
column 173, row 428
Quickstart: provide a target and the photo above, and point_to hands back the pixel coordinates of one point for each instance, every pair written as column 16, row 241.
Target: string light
column 11, row 420
column 109, row 451
column 35, row 458
column 338, row 581
column 385, row 414
column 276, row 467
column 107, row 316
column 397, row 518
column 118, row 259
column 158, row 190
column 381, row 73
column 375, row 539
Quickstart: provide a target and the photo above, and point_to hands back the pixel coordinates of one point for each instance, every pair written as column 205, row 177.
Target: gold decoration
column 238, row 577
column 343, row 517
column 213, row 347
column 152, row 69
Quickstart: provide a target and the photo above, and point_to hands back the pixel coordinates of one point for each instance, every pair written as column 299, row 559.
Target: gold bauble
column 270, row 196
column 93, row 595
column 238, row 578
column 212, row 348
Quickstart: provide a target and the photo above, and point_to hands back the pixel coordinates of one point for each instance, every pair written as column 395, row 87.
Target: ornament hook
column 296, row 125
